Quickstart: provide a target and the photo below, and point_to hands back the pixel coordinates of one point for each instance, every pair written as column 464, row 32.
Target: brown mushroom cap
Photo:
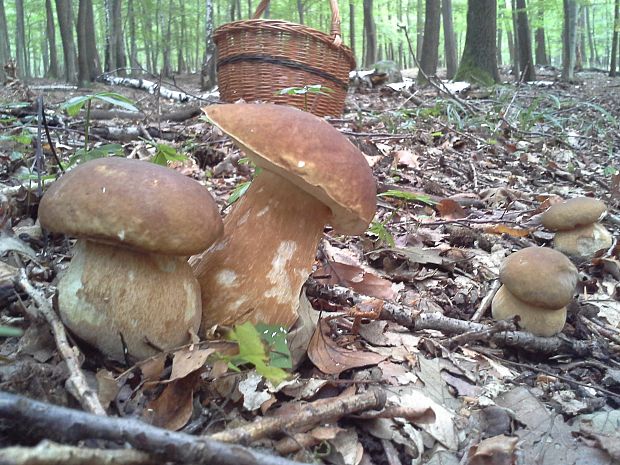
column 138, row 204
column 539, row 276
column 538, row 321
column 573, row 213
column 308, row 152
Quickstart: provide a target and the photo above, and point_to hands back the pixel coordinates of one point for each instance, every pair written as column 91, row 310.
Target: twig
column 76, row 383
column 66, row 425
column 486, row 302
column 50, row 453
column 311, row 414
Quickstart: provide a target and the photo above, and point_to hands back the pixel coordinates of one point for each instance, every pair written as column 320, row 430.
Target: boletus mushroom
column 578, row 231
column 537, row 285
column 311, row 176
column 129, row 286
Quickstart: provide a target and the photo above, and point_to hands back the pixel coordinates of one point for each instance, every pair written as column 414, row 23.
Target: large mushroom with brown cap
column 129, row 285
column 537, row 285
column 578, row 231
column 311, row 176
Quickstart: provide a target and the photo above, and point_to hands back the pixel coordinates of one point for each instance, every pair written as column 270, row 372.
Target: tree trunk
column 593, row 58
column 419, row 28
column 541, row 47
column 569, row 40
column 526, row 64
column 115, row 45
column 580, row 51
column 448, row 38
column 207, row 72
column 509, row 36
column 370, row 34
column 133, row 44
column 352, row 25
column 479, row 61
column 180, row 38
column 53, row 70
column 614, row 40
column 5, row 52
column 64, row 13
column 20, row 41
column 300, row 11
column 430, row 47
column 88, row 58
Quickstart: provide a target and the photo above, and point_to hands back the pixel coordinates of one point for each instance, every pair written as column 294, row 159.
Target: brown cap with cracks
column 539, row 276
column 573, row 213
column 309, row 153
column 134, row 203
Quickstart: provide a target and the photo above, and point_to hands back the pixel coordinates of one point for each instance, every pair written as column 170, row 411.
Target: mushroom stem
column 115, row 298
column 256, row 271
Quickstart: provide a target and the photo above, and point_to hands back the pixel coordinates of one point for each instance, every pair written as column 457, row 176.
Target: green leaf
column 238, row 192
column 275, row 338
column 102, row 151
column 409, row 196
column 378, row 229
column 252, row 350
column 8, row 331
column 75, row 104
column 117, row 100
column 165, row 153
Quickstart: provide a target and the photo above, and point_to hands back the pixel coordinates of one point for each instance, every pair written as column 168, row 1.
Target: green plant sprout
column 75, row 104
column 242, row 188
column 262, row 346
column 165, row 154
column 316, row 89
column 379, row 229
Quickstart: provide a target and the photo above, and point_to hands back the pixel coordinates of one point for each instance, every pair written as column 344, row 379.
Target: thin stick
column 76, row 383
column 486, row 302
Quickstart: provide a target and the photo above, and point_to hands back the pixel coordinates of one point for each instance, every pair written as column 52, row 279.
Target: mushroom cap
column 539, row 276
column 583, row 242
column 137, row 204
column 536, row 320
column 309, row 153
column 573, row 213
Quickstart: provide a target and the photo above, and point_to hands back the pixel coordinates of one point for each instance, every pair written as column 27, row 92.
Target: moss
column 469, row 72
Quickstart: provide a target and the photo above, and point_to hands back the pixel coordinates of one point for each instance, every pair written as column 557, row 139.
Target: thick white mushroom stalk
column 256, row 271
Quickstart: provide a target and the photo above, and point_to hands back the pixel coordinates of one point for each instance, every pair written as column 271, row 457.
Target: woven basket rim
column 277, row 24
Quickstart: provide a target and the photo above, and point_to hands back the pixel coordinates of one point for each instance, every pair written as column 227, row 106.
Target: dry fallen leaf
column 332, row 359
column 357, row 279
column 503, row 229
column 174, row 407
column 498, row 450
column 450, row 210
column 188, row 360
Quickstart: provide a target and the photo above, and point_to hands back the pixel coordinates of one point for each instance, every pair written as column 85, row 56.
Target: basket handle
column 335, row 29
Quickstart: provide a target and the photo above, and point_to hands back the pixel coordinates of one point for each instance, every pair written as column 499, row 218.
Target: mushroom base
column 583, row 242
column 536, row 320
column 111, row 297
column 256, row 271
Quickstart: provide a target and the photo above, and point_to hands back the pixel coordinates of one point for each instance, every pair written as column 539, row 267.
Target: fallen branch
column 310, row 415
column 416, row 321
column 486, row 302
column 50, row 453
column 61, row 424
column 76, row 383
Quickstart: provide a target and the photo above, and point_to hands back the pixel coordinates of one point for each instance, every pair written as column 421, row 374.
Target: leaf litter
column 461, row 195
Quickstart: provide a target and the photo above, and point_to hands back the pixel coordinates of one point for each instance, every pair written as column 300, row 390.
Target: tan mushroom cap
column 134, row 203
column 536, row 320
column 308, row 152
column 573, row 213
column 539, row 276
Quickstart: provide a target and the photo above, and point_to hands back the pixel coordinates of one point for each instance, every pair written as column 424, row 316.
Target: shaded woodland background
column 78, row 41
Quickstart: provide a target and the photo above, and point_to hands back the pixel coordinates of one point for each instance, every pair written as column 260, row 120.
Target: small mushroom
column 537, row 285
column 579, row 233
column 311, row 175
column 129, row 284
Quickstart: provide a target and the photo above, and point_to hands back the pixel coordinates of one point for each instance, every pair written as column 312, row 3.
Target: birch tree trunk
column 207, row 72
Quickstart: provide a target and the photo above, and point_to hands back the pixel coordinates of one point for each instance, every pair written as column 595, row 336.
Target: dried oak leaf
column 332, row 359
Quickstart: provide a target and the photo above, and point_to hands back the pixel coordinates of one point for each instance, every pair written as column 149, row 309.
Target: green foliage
column 75, row 104
column 408, row 196
column 380, row 230
column 9, row 331
column 165, row 154
column 238, row 192
column 316, row 89
column 256, row 348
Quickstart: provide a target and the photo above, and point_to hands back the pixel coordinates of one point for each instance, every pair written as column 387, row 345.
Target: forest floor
column 463, row 179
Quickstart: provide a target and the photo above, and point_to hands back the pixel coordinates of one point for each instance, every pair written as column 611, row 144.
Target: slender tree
column 115, row 58
column 526, row 64
column 207, row 72
column 133, row 42
column 614, row 40
column 449, row 39
column 20, row 41
column 53, row 70
column 88, row 58
column 569, row 40
column 419, row 28
column 64, row 13
column 479, row 60
column 430, row 47
column 5, row 48
column 352, row 25
column 370, row 34
column 541, row 46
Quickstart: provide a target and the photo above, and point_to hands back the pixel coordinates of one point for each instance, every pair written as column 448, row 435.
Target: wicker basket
column 259, row 57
